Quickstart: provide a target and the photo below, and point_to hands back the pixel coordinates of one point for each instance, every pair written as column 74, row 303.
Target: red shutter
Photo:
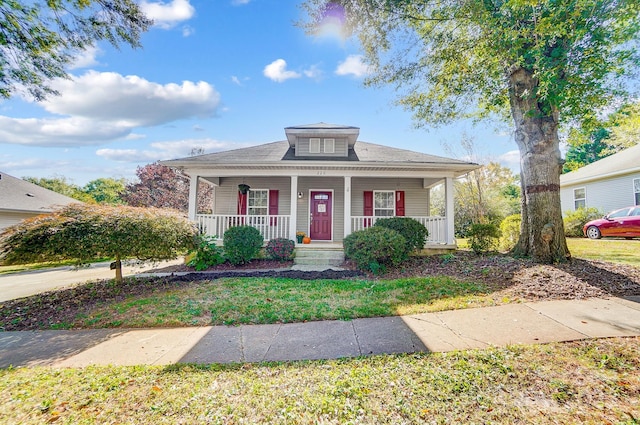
column 400, row 203
column 273, row 206
column 368, row 207
column 242, row 203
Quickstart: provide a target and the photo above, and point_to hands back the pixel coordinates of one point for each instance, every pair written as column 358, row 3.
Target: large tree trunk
column 536, row 133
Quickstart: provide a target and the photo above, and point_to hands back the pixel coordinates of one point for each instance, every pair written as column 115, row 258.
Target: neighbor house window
column 636, row 190
column 384, row 203
column 329, row 145
column 258, row 202
column 314, row 145
column 579, row 198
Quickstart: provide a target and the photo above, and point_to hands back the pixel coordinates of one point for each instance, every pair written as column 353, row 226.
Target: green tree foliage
column 106, row 190
column 483, row 237
column 61, row 185
column 542, row 62
column 509, row 231
column 592, row 141
column 38, row 40
column 84, row 232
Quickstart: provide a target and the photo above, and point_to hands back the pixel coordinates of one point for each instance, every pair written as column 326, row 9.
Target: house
column 608, row 184
column 324, row 182
column 20, row 199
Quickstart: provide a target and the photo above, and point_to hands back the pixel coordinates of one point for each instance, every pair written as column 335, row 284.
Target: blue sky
column 218, row 75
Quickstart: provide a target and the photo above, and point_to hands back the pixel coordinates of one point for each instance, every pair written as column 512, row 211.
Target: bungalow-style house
column 21, row 199
column 608, row 184
column 324, row 182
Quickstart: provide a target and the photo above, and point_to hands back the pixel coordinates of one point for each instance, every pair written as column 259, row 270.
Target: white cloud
column 167, row 15
column 188, row 31
column 131, row 100
column 314, row 72
column 236, row 80
column 511, row 159
column 353, row 65
column 277, row 71
column 240, row 2
column 86, row 58
column 99, row 107
column 167, row 150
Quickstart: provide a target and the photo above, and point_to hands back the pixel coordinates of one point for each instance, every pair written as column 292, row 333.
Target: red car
column 624, row 223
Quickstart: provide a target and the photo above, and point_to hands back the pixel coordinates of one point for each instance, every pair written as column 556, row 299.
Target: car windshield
column 619, row 213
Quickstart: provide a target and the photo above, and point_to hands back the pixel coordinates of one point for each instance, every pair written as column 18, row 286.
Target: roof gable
column 20, row 195
column 623, row 162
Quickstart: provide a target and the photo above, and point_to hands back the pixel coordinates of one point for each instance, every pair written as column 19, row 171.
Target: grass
column 272, row 300
column 587, row 382
column 16, row 268
column 606, row 249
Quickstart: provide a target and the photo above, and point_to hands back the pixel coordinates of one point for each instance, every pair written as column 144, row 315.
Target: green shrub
column 375, row 247
column 280, row 249
column 242, row 244
column 510, row 232
column 207, row 254
column 483, row 237
column 574, row 221
column 412, row 230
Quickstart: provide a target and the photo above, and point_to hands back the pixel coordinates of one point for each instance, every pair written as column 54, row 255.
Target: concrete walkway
column 27, row 283
column 528, row 323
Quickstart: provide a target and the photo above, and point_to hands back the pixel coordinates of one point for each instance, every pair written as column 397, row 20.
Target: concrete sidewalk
column 528, row 323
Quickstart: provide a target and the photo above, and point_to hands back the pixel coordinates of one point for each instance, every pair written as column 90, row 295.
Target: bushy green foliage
column 574, row 221
column 280, row 249
column 375, row 247
column 242, row 244
column 412, row 230
column 207, row 253
column 509, row 232
column 84, row 232
column 483, row 237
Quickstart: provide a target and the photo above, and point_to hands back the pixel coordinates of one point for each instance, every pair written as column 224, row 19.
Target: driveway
column 24, row 284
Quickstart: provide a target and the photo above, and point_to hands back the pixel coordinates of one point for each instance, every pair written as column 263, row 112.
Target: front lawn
column 607, row 249
column 585, row 382
column 165, row 302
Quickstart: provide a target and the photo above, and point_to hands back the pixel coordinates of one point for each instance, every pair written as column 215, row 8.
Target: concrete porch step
column 325, row 256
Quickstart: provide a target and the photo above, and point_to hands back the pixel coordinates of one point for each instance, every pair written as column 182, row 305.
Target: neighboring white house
column 323, row 182
column 20, row 199
column 608, row 184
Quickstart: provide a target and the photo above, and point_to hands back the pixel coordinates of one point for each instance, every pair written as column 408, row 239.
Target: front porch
column 279, row 226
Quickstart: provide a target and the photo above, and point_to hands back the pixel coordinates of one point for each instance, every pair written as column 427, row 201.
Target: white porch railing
column 437, row 226
column 270, row 226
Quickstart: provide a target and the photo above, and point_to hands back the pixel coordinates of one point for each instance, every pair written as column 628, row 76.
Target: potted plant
column 300, row 236
column 243, row 188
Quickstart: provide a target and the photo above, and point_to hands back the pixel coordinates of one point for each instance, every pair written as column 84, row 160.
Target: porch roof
column 280, row 155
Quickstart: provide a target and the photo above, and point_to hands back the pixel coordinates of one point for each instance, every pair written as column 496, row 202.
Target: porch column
column 294, row 208
column 347, row 206
column 193, row 197
column 449, row 210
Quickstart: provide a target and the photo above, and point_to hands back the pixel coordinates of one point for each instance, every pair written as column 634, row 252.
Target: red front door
column 321, row 216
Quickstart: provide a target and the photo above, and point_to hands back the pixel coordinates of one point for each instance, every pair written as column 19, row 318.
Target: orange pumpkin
column 306, row 239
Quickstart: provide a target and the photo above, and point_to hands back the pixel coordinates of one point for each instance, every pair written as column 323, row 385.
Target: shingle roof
column 624, row 162
column 280, row 152
column 20, row 195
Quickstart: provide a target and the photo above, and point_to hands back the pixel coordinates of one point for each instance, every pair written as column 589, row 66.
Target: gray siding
column 10, row 218
column 341, row 148
column 226, row 195
column 605, row 195
column 416, row 198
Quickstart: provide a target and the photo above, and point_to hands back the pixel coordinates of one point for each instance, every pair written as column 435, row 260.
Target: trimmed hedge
column 412, row 230
column 483, row 237
column 242, row 244
column 574, row 221
column 510, row 232
column 375, row 247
